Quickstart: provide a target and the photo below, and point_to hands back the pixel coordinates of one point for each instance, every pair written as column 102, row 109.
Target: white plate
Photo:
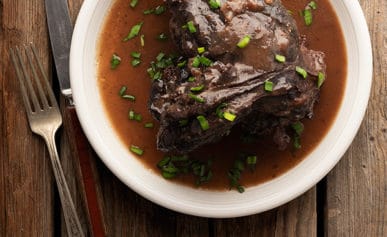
column 214, row 203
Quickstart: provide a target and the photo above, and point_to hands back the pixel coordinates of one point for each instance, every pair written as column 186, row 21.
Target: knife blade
column 60, row 31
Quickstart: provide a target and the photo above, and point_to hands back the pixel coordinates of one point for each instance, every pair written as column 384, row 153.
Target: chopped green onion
column 251, row 160
column 244, row 42
column 219, row 110
column 269, row 86
column 297, row 142
column 197, row 88
column 134, row 116
column 164, row 162
column 142, row 40
column 115, row 61
column 191, row 79
column 203, row 122
column 149, row 125
column 160, row 56
column 159, row 10
column 133, row 32
column 320, row 79
column 136, row 150
column 162, row 37
column 136, row 62
column 196, row 98
column 129, row 97
column 229, row 116
column 136, row 55
column 280, row 58
column 196, row 62
column 240, row 189
column 133, row 3
column 313, row 5
column 122, row 90
column 201, row 50
column 298, row 127
column 301, row 71
column 191, row 27
column 308, row 17
column 214, row 4
column 182, row 64
column 148, row 11
column 205, row 61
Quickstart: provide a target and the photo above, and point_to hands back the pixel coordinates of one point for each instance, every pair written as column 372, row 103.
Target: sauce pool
column 323, row 35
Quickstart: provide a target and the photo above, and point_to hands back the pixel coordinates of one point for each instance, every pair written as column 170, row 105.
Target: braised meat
column 265, row 84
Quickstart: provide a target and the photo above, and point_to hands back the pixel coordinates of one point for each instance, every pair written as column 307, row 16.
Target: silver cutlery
column 44, row 119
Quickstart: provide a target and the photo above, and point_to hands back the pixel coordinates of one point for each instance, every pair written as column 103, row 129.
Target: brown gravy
column 325, row 35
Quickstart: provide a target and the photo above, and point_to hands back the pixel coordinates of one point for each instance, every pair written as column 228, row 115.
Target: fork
column 45, row 118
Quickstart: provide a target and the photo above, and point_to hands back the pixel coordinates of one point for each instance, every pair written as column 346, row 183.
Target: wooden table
column 350, row 201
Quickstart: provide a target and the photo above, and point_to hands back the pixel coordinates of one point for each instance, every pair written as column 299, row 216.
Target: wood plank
column 357, row 187
column 27, row 191
column 298, row 218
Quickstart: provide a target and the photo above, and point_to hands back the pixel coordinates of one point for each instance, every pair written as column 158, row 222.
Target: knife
column 60, row 30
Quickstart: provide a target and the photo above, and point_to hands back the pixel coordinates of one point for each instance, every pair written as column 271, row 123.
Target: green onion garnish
column 142, row 40
column 148, row 11
column 159, row 10
column 196, row 98
column 308, row 17
column 134, row 116
column 162, row 37
column 129, row 97
column 122, row 90
column 251, row 160
column 136, row 55
column 301, row 71
column 269, row 86
column 298, row 127
column 320, row 79
column 182, row 64
column 214, row 4
column 196, row 62
column 203, row 122
column 297, row 142
column 133, row 3
column 197, row 88
column 313, row 5
column 191, row 27
column 136, row 150
column 133, row 32
column 191, row 79
column 244, row 42
column 205, row 61
column 201, row 50
column 160, row 56
column 149, row 125
column 219, row 110
column 280, row 58
column 115, row 61
column 229, row 116
column 136, row 62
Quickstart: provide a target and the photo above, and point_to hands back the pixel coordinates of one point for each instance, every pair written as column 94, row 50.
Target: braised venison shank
column 234, row 81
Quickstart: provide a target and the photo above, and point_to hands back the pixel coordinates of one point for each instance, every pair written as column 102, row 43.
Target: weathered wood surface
column 357, row 187
column 354, row 193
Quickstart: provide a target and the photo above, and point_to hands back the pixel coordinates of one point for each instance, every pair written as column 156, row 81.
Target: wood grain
column 26, row 190
column 357, row 187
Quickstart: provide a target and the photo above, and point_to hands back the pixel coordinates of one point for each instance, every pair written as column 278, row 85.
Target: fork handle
column 73, row 224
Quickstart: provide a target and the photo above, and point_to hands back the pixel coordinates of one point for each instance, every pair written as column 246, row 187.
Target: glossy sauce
column 324, row 35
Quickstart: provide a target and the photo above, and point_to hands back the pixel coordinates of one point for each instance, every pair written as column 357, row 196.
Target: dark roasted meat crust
column 237, row 76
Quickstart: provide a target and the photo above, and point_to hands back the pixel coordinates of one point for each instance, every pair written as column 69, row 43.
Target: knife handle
column 88, row 177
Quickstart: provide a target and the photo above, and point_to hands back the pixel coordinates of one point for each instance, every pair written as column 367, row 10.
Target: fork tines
column 33, row 101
